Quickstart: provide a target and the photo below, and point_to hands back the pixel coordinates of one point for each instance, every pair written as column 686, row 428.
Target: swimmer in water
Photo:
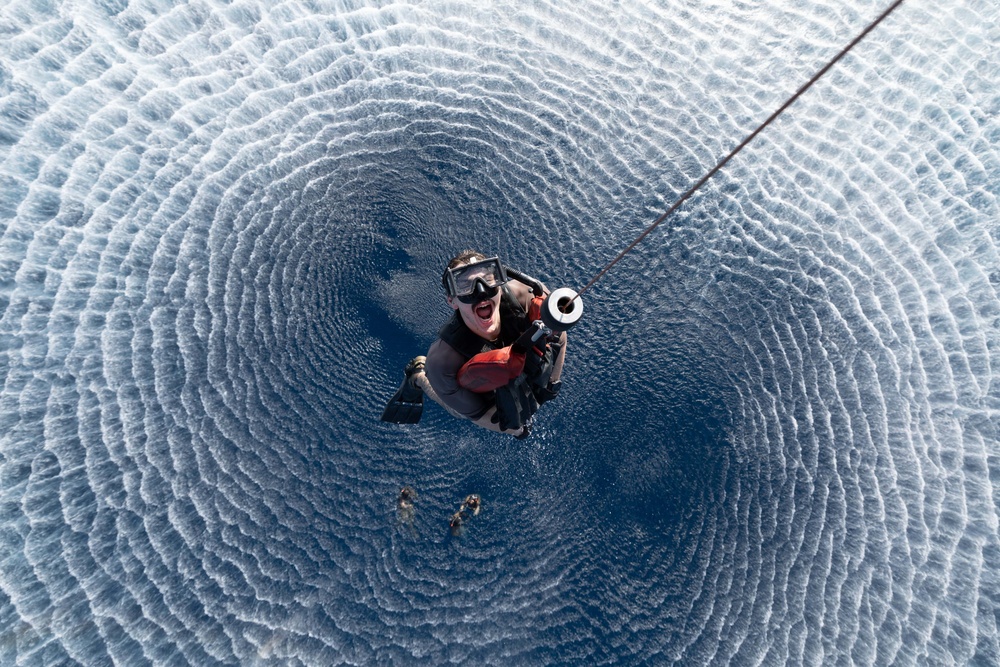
column 472, row 502
column 404, row 503
column 457, row 520
column 406, row 497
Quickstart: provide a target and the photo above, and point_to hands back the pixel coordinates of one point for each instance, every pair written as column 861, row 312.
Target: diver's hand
column 547, row 393
column 533, row 337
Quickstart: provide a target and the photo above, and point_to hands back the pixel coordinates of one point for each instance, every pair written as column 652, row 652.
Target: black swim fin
column 407, row 404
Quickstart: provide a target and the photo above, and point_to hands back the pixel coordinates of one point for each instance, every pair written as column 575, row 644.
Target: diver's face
column 482, row 318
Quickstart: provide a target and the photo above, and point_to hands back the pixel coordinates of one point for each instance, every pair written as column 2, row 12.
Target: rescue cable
column 567, row 302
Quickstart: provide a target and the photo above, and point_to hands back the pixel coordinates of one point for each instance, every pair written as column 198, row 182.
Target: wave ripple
column 221, row 227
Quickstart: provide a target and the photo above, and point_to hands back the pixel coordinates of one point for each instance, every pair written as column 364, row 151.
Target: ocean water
column 222, row 226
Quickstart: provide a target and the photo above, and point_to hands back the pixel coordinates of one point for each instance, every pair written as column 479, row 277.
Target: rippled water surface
column 223, row 225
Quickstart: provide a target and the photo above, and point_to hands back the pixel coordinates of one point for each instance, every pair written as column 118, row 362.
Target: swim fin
column 407, row 404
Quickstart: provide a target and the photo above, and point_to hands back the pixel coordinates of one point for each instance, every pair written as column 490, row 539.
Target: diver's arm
column 557, row 366
column 443, row 364
column 487, row 420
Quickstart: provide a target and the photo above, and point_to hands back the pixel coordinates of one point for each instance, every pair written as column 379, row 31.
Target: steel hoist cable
column 684, row 197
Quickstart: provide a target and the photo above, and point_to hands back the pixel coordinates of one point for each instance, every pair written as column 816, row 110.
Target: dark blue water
column 222, row 227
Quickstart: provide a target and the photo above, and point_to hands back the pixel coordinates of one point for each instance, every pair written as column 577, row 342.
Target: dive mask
column 472, row 283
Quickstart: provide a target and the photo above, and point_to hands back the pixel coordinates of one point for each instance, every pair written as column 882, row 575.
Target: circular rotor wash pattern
column 223, row 226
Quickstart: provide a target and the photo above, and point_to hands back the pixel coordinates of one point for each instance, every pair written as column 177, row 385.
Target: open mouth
column 484, row 310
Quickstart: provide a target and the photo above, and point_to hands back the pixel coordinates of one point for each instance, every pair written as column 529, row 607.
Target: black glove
column 547, row 393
